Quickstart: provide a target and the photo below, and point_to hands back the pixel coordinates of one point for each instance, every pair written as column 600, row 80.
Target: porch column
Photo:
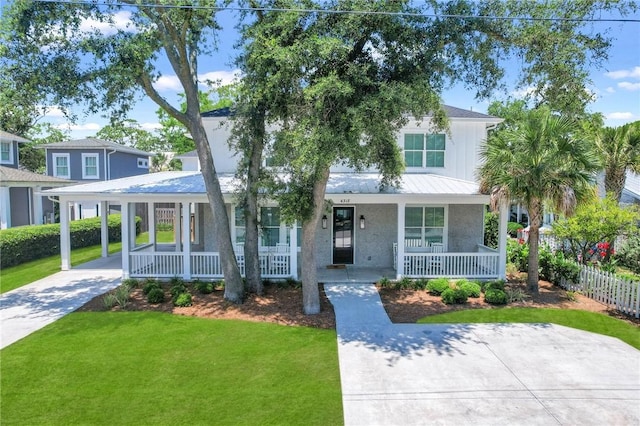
column 502, row 240
column 293, row 250
column 104, row 228
column 37, row 205
column 125, row 226
column 5, row 208
column 186, row 240
column 176, row 226
column 400, row 259
column 151, row 214
column 65, row 236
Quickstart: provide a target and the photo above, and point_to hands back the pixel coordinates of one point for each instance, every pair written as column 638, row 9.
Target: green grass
column 154, row 368
column 17, row 276
column 582, row 320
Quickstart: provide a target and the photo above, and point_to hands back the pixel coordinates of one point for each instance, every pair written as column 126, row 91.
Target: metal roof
column 92, row 143
column 10, row 177
column 180, row 183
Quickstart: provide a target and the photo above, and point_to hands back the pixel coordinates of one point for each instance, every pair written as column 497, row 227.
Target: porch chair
column 436, row 261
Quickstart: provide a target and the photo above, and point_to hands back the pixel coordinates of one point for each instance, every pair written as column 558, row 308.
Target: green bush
column 183, row 299
column 385, row 282
column 177, row 290
column 404, row 283
column 452, row 296
column 131, row 283
column 150, row 284
column 491, row 229
column 420, row 284
column 109, row 301
column 518, row 254
column 25, row 243
column 203, row 287
column 492, row 285
column 155, row 295
column 495, row 296
column 513, row 228
column 123, row 294
column 629, row 253
column 437, row 286
column 471, row 289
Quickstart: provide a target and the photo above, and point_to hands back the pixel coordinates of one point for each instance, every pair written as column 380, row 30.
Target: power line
column 340, row 12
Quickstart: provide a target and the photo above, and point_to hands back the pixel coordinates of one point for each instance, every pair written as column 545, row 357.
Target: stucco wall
column 374, row 244
column 466, row 227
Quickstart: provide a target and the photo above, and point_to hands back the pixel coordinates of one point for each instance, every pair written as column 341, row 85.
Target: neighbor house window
column 240, row 225
column 90, row 166
column 424, row 150
column 143, row 163
column 61, row 165
column 6, row 153
column 424, row 226
column 270, row 226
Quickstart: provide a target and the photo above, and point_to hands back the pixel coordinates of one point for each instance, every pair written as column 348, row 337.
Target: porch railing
column 164, row 264
column 450, row 265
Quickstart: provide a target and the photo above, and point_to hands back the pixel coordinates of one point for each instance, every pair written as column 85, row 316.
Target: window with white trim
column 240, row 225
column 6, row 152
column 143, row 163
column 422, row 150
column 269, row 226
column 424, row 226
column 90, row 168
column 61, row 165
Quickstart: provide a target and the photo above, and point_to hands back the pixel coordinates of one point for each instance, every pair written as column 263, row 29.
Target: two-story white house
column 431, row 225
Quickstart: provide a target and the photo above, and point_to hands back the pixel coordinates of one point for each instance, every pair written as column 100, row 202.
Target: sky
column 616, row 86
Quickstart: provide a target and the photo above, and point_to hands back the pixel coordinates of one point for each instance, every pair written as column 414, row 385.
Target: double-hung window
column 270, row 226
column 6, row 152
column 90, row 166
column 240, row 225
column 422, row 150
column 424, row 226
column 61, row 165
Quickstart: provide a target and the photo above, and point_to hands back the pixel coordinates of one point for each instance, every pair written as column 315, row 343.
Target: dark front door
column 343, row 235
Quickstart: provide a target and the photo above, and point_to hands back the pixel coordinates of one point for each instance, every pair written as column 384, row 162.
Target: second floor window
column 90, row 166
column 5, row 153
column 424, row 150
column 61, row 165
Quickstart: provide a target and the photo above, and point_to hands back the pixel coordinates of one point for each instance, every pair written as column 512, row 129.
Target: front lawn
column 582, row 320
column 154, row 368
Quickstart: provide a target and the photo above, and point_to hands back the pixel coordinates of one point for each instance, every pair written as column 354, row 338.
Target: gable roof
column 10, row 137
column 93, row 143
column 10, row 177
column 452, row 112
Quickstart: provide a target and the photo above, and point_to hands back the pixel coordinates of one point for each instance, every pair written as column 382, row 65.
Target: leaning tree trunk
column 614, row 179
column 535, row 219
column 310, row 292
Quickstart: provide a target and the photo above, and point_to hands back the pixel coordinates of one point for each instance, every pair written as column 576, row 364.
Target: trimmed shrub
column 437, row 286
column 149, row 285
column 470, row 288
column 183, row 300
column 131, row 283
column 518, row 254
column 452, row 296
column 420, row 284
column 177, row 290
column 493, row 285
column 495, row 296
column 203, row 287
column 25, row 243
column 155, row 295
column 404, row 283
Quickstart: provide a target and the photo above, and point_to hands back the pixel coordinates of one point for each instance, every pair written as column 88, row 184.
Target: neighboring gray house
column 431, row 225
column 20, row 202
column 91, row 160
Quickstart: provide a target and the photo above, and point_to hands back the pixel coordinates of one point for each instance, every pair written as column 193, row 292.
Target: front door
column 343, row 235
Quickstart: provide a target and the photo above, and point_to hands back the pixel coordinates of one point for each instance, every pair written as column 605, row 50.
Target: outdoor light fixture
column 361, row 222
column 324, row 221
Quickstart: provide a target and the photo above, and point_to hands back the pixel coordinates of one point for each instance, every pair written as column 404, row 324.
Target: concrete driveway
column 486, row 374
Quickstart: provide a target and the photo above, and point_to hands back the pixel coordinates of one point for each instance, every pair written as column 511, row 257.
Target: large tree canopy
column 52, row 48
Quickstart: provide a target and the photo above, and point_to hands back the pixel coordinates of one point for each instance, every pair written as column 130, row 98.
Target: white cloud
column 52, row 111
column 150, row 126
column 79, row 127
column 632, row 73
column 610, row 90
column 219, row 77
column 121, row 21
column 523, row 92
column 168, row 82
column 629, row 86
column 620, row 116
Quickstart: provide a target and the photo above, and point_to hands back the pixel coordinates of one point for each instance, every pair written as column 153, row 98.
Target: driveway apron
column 487, row 374
column 31, row 307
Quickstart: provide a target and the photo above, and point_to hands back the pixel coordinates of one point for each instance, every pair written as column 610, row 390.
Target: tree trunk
column 614, row 180
column 251, row 211
column 535, row 219
column 233, row 284
column 310, row 292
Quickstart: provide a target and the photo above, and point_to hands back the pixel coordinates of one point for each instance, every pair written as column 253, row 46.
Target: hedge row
column 25, row 243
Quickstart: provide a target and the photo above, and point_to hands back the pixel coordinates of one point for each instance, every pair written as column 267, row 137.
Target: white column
column 176, row 226
column 5, row 208
column 502, row 240
column 65, row 236
column 186, row 240
column 293, row 250
column 104, row 228
column 400, row 261
column 132, row 225
column 125, row 228
column 151, row 211
column 37, row 206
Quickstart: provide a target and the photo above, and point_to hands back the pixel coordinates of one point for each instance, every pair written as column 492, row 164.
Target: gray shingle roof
column 9, row 176
column 6, row 136
column 92, row 143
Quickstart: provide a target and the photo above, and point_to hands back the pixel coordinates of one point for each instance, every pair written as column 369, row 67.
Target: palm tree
column 619, row 150
column 535, row 162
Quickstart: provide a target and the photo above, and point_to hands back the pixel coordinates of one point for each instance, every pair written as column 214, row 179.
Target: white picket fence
column 610, row 289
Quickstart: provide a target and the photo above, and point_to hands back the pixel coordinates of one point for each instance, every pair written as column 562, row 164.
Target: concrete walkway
column 29, row 308
column 486, row 374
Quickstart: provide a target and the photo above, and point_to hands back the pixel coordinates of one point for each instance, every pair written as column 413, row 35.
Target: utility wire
column 338, row 11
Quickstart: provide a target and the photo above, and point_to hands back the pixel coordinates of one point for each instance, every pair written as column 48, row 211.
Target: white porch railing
column 203, row 264
column 450, row 265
